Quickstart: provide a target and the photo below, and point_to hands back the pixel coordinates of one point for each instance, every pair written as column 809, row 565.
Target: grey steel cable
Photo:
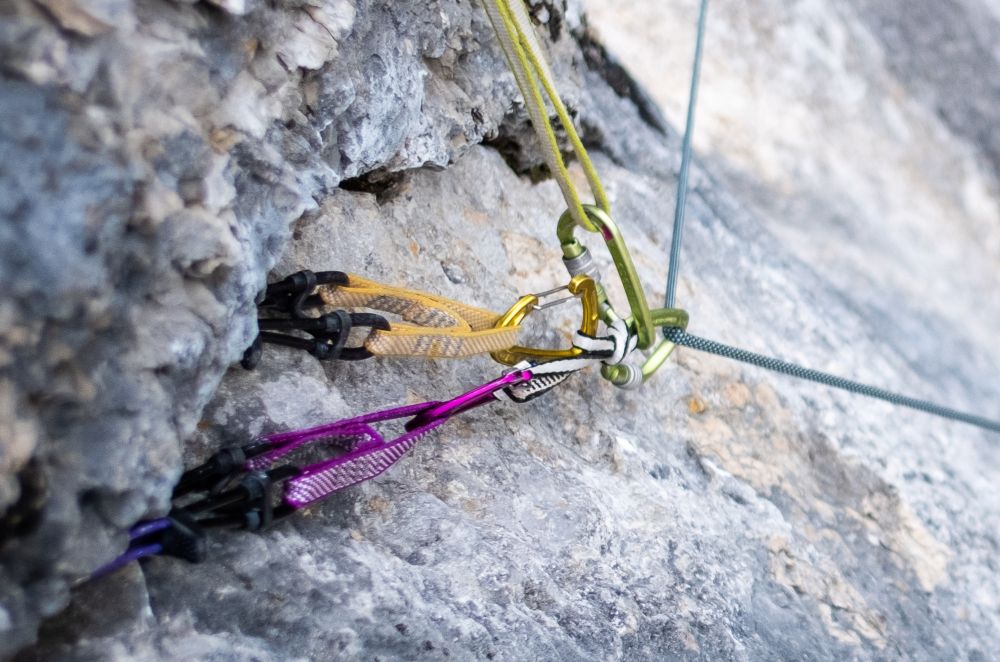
column 680, row 337
column 682, row 177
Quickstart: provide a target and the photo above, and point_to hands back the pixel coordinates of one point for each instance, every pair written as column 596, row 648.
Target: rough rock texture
column 153, row 156
column 159, row 158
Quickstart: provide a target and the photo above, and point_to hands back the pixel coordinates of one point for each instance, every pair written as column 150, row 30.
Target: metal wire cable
column 682, row 177
column 685, row 339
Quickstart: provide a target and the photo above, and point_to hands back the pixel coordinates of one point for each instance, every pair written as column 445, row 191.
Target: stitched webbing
column 433, row 326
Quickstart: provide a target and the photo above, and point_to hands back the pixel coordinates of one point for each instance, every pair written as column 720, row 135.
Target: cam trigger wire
column 681, row 337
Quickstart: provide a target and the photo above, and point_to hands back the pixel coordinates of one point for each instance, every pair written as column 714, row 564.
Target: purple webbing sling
column 367, row 454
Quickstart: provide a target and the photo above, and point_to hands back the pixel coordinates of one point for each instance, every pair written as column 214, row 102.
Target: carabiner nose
column 579, row 287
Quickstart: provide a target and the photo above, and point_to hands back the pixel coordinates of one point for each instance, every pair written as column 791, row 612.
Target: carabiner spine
column 573, row 249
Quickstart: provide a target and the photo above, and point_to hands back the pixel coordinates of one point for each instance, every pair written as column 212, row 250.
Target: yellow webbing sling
column 433, row 326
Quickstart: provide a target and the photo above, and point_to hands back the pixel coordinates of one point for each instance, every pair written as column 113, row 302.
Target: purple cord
column 143, row 529
column 322, row 479
column 346, row 435
column 328, row 429
column 351, row 433
column 470, row 399
column 126, row 557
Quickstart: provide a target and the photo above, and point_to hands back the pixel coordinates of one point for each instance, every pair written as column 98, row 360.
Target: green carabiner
column 572, row 249
column 624, row 375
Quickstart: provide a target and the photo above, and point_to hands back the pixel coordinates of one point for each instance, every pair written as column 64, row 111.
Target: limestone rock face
column 153, row 158
column 159, row 159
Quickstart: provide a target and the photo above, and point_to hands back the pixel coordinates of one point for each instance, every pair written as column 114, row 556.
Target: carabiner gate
column 644, row 320
column 580, row 287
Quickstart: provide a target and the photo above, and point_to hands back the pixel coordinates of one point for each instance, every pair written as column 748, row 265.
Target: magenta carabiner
column 469, row 400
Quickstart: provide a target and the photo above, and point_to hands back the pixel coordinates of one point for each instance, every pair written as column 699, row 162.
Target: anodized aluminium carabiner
column 579, row 287
column 573, row 250
column 627, row 376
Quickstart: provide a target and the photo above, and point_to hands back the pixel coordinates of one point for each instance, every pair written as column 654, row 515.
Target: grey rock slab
column 153, row 157
column 592, row 523
column 720, row 513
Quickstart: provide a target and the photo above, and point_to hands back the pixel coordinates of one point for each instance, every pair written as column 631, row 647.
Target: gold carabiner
column 579, row 287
